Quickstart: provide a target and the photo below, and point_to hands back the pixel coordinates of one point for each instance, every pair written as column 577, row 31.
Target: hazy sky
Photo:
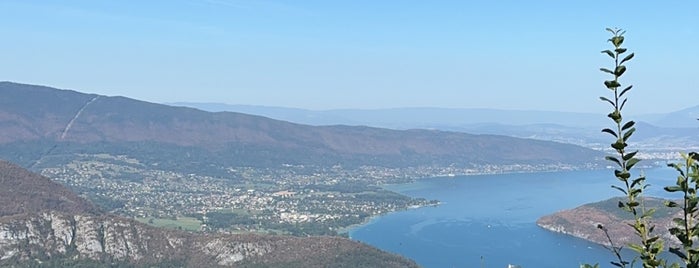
column 325, row 54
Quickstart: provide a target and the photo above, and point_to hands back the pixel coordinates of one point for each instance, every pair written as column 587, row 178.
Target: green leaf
column 619, row 145
column 677, row 168
column 617, row 40
column 649, row 213
column 621, row 107
column 635, row 192
column 636, row 248
column 637, row 181
column 628, row 134
column 607, row 130
column 625, row 90
column 653, row 239
column 606, row 70
column 620, row 70
column 620, row 189
column 628, row 125
column 632, row 162
column 674, row 230
column 616, row 116
column 611, row 84
column 678, row 253
column 672, row 189
column 620, row 50
column 607, row 100
column 610, row 53
column 613, row 159
column 627, row 58
column 622, row 174
column 630, row 155
column 670, row 204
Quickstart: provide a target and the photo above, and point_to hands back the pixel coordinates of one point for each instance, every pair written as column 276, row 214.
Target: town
column 292, row 199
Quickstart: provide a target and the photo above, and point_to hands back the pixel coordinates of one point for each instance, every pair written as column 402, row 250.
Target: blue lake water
column 491, row 219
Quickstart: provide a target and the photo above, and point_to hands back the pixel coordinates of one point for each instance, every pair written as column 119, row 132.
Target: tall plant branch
column 650, row 245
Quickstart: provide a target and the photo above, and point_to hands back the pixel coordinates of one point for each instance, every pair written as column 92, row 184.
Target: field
column 183, row 223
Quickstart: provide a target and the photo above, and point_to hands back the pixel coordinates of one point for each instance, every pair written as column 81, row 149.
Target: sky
column 521, row 55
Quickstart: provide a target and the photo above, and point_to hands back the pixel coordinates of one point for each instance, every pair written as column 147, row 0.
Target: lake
column 490, row 220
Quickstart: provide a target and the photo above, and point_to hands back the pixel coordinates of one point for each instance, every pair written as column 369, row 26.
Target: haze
column 533, row 55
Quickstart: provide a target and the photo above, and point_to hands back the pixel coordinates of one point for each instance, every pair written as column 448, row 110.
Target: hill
column 26, row 192
column 583, row 221
column 43, row 224
column 407, row 118
column 662, row 132
column 685, row 118
column 36, row 122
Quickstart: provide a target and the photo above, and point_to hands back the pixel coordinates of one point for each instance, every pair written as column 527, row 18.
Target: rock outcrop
column 50, row 235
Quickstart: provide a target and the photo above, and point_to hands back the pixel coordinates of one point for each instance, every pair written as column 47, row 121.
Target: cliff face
column 582, row 222
column 51, row 235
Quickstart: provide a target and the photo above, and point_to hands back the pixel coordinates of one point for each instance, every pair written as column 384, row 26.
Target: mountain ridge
column 29, row 115
column 567, row 127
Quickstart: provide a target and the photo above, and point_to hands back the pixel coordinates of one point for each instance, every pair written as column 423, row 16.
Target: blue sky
column 535, row 55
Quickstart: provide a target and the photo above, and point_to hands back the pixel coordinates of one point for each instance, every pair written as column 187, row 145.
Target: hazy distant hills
column 658, row 130
column 45, row 225
column 679, row 119
column 406, row 118
column 41, row 124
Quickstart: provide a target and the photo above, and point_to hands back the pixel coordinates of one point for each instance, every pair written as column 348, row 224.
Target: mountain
column 407, row 118
column 685, row 118
column 43, row 224
column 659, row 130
column 41, row 126
column 26, row 192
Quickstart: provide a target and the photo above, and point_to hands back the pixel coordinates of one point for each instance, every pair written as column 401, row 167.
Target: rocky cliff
column 53, row 235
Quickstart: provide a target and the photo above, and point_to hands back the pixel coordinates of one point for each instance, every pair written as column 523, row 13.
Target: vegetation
column 180, row 223
column 686, row 228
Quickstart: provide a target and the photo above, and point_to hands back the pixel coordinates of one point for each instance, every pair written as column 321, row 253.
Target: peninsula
column 585, row 221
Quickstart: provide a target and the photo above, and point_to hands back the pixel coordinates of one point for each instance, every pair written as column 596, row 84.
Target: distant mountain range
column 660, row 130
column 39, row 125
column 45, row 225
column 407, row 118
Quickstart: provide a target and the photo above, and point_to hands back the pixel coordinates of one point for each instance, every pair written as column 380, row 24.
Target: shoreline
column 348, row 229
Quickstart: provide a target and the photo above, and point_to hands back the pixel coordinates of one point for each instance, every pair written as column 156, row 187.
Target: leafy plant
column 650, row 245
column 687, row 227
